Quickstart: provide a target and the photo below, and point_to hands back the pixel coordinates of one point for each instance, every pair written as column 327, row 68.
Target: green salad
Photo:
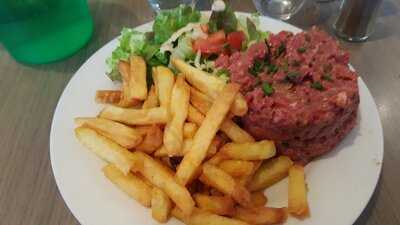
column 185, row 33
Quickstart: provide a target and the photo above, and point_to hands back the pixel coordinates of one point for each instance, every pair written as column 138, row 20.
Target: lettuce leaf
column 225, row 20
column 184, row 49
column 137, row 43
column 169, row 21
column 250, row 26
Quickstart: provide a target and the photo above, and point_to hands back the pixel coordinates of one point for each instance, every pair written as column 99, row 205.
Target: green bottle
column 43, row 31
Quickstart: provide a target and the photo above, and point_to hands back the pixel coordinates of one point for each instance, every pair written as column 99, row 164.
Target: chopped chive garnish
column 301, row 50
column 317, row 85
column 267, row 89
column 327, row 76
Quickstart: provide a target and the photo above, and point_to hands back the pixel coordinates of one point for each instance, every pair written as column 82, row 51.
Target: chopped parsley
column 292, row 75
column 327, row 76
column 272, row 68
column 317, row 85
column 285, row 67
column 267, row 89
column 281, row 49
column 223, row 72
column 301, row 50
column 257, row 67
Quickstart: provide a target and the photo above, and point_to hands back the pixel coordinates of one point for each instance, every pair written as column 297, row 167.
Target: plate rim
column 142, row 26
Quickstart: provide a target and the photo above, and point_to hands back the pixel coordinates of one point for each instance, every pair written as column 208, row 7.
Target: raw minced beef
column 315, row 96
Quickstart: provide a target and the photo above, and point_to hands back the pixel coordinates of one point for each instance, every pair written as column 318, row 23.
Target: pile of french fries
column 176, row 148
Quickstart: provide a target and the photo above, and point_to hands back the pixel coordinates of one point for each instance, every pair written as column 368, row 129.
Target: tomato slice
column 235, row 39
column 217, row 37
column 214, row 43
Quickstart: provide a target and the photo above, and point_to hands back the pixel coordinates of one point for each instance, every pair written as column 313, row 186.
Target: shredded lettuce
column 148, row 46
column 169, row 21
column 184, row 49
column 169, row 38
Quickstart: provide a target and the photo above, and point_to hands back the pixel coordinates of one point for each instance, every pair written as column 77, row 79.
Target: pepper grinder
column 356, row 19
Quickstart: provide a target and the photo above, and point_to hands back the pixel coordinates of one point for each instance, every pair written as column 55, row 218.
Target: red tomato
column 214, row 43
column 235, row 39
column 217, row 37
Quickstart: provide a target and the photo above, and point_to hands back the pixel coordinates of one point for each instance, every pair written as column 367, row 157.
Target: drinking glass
column 42, row 31
column 281, row 9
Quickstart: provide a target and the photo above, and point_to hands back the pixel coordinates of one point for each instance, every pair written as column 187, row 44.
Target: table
column 29, row 94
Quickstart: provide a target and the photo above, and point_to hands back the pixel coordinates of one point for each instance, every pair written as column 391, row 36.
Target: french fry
column 235, row 133
column 213, row 192
column 195, row 116
column 214, row 146
column 216, row 159
column 223, row 182
column 152, row 99
column 205, row 134
column 140, row 176
column 209, row 85
column 258, row 199
column 246, row 179
column 189, row 129
column 201, row 217
column 164, row 82
column 261, row 215
column 136, row 116
column 108, row 96
column 134, row 186
column 137, row 82
column 231, row 129
column 126, row 100
column 160, row 205
column 163, row 152
column 200, row 101
column 236, row 168
column 163, row 178
column 249, row 151
column 123, row 135
column 187, row 146
column 220, row 205
column 173, row 132
column 153, row 138
column 105, row 148
column 270, row 172
column 297, row 196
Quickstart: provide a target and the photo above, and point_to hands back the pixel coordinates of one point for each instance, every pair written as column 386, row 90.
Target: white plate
column 340, row 183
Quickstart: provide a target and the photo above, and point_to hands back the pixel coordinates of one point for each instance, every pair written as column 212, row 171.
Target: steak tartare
column 300, row 91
